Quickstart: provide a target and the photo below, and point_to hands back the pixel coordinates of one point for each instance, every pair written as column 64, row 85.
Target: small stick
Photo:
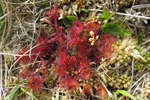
column 124, row 14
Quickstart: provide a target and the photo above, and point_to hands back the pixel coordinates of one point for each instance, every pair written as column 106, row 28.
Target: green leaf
column 102, row 16
column 46, row 3
column 126, row 32
column 55, row 2
column 25, row 90
column 120, row 21
column 26, row 81
column 105, row 21
column 1, row 22
column 107, row 16
column 15, row 5
column 14, row 84
column 1, row 26
column 15, row 95
column 112, row 18
column 112, row 14
column 21, row 93
column 125, row 93
column 67, row 21
column 85, row 10
column 1, row 11
column 105, row 12
column 11, row 94
column 115, row 95
column 111, row 28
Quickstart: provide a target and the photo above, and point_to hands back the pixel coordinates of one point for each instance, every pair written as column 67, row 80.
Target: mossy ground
column 20, row 26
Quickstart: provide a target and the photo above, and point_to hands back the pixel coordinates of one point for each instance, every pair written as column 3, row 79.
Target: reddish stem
column 45, row 20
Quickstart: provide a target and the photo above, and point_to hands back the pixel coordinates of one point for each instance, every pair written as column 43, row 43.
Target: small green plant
column 68, row 20
column 111, row 28
column 1, row 21
column 84, row 10
column 107, row 16
column 46, row 3
column 116, row 29
column 25, row 90
column 15, row 92
column 125, row 93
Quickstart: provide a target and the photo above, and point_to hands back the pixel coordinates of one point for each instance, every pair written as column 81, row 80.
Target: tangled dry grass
column 20, row 26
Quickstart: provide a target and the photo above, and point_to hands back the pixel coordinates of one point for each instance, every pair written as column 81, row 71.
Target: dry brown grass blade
column 1, row 77
column 9, row 17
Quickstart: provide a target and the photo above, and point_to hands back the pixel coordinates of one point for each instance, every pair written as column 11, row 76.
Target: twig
column 136, row 88
column 6, row 74
column 132, row 75
column 124, row 14
column 145, row 42
column 13, row 54
column 24, row 2
column 138, row 80
column 21, row 57
column 9, row 25
column 4, row 32
column 1, row 77
column 34, row 31
column 141, row 6
column 142, row 89
column 109, row 93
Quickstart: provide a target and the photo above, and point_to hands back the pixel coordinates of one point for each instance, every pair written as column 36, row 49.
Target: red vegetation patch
column 62, row 52
column 70, row 51
column 24, row 59
column 26, row 72
column 93, row 26
column 36, row 82
column 106, row 42
column 53, row 15
column 101, row 91
column 68, row 82
column 85, row 73
column 60, row 70
column 43, row 46
column 77, row 28
column 84, row 63
column 74, row 32
column 87, row 89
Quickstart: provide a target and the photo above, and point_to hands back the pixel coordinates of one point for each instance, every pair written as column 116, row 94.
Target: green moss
column 141, row 36
column 140, row 64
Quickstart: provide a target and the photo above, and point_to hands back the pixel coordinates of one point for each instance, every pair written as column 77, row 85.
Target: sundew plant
column 71, row 51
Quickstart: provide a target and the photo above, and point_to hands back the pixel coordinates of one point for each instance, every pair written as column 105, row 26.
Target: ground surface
column 113, row 58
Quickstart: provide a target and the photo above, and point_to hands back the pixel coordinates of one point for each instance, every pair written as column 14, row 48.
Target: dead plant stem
column 5, row 15
column 124, row 14
column 132, row 77
column 21, row 57
column 1, row 77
